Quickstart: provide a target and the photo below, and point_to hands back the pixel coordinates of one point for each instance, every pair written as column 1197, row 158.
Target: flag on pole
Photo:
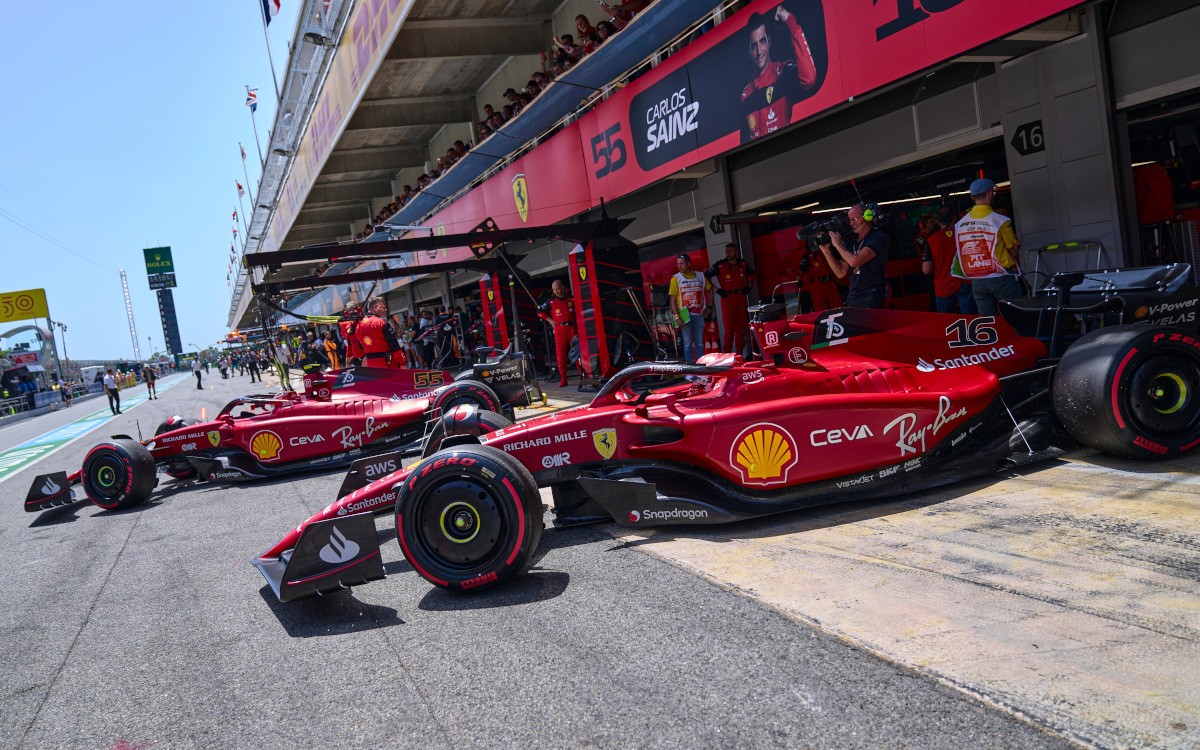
column 235, row 214
column 235, row 231
column 243, row 150
column 252, row 99
column 241, row 190
column 270, row 10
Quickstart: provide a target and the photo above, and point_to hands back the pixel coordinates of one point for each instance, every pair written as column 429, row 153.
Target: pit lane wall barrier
column 703, row 101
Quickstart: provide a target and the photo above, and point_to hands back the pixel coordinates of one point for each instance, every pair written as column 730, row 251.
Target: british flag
column 252, row 99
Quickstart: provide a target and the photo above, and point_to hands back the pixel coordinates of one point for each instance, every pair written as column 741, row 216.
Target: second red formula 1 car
column 351, row 414
column 845, row 405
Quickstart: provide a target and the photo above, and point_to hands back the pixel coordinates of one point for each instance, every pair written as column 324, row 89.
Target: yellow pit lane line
column 1068, row 592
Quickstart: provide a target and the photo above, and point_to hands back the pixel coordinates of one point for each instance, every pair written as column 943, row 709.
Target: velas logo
column 520, row 190
column 763, row 454
column 266, row 445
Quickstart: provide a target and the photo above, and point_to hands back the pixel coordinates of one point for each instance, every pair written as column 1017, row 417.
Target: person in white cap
column 986, row 250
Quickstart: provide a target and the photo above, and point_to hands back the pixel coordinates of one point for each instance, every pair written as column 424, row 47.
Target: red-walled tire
column 463, row 419
column 471, row 392
column 469, row 518
column 1131, row 391
column 118, row 474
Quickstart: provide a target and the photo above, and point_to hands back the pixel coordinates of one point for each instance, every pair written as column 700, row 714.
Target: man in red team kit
column 767, row 100
column 560, row 313
column 734, row 277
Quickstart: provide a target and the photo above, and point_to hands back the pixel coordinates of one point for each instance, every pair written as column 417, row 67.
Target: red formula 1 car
column 349, row 414
column 845, row 405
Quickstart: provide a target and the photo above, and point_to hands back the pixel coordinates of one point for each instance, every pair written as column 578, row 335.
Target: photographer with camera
column 865, row 264
column 736, row 277
column 348, row 327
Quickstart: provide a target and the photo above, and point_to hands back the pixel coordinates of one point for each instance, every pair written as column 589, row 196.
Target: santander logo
column 339, row 550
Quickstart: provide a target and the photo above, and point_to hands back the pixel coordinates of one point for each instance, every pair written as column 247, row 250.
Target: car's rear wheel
column 471, row 392
column 463, row 419
column 469, row 518
column 118, row 474
column 1131, row 391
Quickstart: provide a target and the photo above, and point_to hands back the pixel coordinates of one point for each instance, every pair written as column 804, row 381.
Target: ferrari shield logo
column 214, row 437
column 583, row 273
column 491, row 295
column 605, row 441
column 521, row 196
column 770, row 93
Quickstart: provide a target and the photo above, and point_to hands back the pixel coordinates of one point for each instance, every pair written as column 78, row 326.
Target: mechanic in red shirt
column 733, row 279
column 767, row 100
column 348, row 326
column 818, row 279
column 936, row 258
column 378, row 341
column 559, row 312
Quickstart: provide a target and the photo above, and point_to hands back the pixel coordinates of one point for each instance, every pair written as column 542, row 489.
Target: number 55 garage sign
column 23, row 305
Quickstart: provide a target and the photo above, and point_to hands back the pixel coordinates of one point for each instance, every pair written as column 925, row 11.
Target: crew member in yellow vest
column 986, row 250
column 691, row 302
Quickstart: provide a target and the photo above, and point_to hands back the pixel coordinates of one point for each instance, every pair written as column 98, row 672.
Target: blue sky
column 121, row 132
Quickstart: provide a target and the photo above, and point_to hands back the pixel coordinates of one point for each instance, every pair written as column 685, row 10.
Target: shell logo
column 1141, row 312
column 266, row 445
column 763, row 454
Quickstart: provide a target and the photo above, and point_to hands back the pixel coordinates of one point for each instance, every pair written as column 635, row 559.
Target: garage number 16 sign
column 24, row 305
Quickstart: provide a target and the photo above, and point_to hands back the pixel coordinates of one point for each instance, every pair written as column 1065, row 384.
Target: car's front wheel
column 118, row 474
column 469, row 517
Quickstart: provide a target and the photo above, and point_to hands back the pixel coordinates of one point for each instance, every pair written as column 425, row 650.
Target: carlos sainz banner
column 771, row 65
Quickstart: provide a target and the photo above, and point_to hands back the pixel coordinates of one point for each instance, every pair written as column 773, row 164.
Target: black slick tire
column 472, row 392
column 469, row 518
column 118, row 474
column 1131, row 391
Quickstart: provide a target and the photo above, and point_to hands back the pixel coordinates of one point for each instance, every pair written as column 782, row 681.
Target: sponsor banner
column 770, row 65
column 23, row 305
column 368, row 35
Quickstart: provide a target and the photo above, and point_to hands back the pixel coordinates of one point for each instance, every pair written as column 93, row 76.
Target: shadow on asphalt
column 337, row 613
column 534, row 585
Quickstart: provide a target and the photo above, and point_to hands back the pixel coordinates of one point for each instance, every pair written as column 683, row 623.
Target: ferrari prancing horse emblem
column 605, row 441
column 521, row 196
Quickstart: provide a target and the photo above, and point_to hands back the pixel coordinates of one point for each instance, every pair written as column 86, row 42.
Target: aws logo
column 521, row 196
column 763, row 454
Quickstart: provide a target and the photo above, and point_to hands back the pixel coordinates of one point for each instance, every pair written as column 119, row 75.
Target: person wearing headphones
column 865, row 263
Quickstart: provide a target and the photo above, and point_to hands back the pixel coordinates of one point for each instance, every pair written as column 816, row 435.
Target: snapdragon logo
column 671, row 514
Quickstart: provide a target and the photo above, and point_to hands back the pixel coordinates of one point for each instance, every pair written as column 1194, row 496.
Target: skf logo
column 763, row 454
column 521, row 196
column 266, row 445
column 605, row 441
column 214, row 438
